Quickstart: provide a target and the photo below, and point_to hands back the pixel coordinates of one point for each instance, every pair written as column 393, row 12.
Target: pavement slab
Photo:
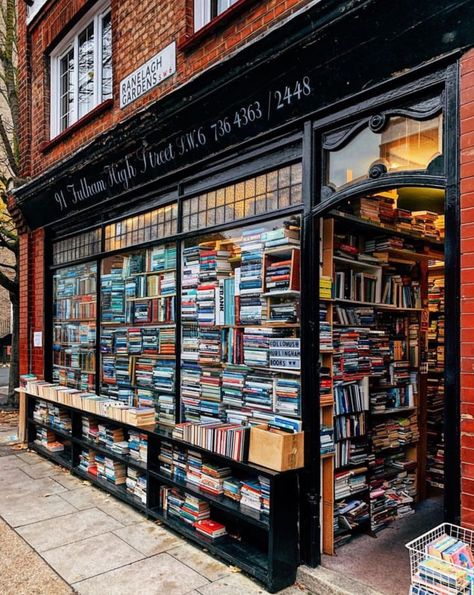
column 206, row 565
column 158, row 575
column 23, row 511
column 149, row 539
column 23, row 570
column 79, row 525
column 79, row 560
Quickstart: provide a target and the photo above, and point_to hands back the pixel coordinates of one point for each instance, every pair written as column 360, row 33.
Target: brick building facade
column 298, row 72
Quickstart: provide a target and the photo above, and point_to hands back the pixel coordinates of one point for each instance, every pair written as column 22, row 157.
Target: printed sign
column 148, row 76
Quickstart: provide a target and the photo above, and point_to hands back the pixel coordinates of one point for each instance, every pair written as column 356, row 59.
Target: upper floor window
column 206, row 10
column 81, row 69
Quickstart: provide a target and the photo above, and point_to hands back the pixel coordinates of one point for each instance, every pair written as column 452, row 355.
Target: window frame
column 208, row 9
column 68, row 43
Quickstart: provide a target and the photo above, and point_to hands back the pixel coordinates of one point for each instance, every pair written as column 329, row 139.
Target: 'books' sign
column 149, row 75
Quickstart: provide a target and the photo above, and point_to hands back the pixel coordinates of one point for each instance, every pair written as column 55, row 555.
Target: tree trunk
column 14, row 358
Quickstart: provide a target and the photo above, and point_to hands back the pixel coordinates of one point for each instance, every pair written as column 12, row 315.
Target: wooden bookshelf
column 396, row 392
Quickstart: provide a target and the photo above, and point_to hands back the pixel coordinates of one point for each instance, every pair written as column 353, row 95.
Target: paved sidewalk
column 99, row 545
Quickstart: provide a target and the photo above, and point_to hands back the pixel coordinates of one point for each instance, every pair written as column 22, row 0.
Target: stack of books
column 210, row 528
column 350, row 482
column 87, row 462
column 47, row 439
column 136, row 484
column 138, row 445
column 226, row 439
column 327, row 439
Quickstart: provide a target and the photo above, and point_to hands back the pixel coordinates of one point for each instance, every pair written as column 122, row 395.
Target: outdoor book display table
column 150, row 474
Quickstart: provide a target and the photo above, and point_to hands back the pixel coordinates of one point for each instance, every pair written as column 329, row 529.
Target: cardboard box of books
column 276, row 449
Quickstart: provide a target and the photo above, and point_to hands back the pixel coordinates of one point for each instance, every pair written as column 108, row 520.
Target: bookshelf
column 240, row 319
column 386, row 414
column 74, row 326
column 138, row 329
column 172, row 481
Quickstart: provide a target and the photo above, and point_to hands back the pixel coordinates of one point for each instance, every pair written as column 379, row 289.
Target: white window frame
column 202, row 12
column 71, row 41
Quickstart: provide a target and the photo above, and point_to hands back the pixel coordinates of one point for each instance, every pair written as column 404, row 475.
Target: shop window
column 278, row 189
column 76, row 247
column 81, row 70
column 142, row 228
column 138, row 336
column 240, row 315
column 392, row 144
column 74, row 326
column 207, row 10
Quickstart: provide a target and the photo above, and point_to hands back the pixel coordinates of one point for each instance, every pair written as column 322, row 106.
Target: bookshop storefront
column 279, row 260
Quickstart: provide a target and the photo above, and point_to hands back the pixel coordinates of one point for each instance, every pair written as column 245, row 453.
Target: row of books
column 382, row 209
column 79, row 333
column 92, row 403
column 116, row 438
column 77, row 357
column 229, row 440
column 47, row 438
column 187, row 465
column 52, row 415
column 190, row 510
column 68, row 309
column 77, row 280
column 136, row 340
column 117, row 309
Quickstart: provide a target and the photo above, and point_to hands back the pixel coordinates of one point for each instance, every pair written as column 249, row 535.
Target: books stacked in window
column 349, row 482
column 288, row 396
column 326, row 440
column 284, row 312
column 87, row 462
column 367, row 208
column 162, row 258
column 258, row 392
column 251, row 277
column 284, row 236
column 138, row 445
column 210, row 346
column 383, row 244
column 325, row 287
column 190, row 344
column 110, row 470
column 233, row 382
column 47, row 439
column 354, row 316
column 351, row 359
column 424, row 223
column 225, row 439
column 401, row 291
column 165, row 410
column 191, row 392
column 136, row 484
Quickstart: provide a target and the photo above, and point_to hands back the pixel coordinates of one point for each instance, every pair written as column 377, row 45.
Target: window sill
column 189, row 41
column 65, row 134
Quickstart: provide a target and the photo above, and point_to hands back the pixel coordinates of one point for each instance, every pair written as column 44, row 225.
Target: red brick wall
column 467, row 289
column 32, row 279
column 140, row 29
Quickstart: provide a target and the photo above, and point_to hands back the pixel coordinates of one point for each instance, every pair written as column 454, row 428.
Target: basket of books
column 442, row 561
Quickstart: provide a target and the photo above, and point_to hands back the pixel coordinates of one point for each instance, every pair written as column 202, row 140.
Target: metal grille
column 83, row 245
column 266, row 193
column 153, row 225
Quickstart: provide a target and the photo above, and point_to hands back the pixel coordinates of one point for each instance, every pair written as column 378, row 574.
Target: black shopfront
column 248, row 146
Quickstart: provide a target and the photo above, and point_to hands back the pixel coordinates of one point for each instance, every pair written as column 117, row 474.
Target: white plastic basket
column 429, row 582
